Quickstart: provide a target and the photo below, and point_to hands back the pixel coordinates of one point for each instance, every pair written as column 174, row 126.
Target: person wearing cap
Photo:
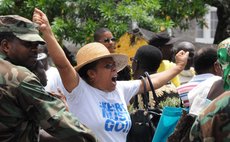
column 25, row 105
column 92, row 92
column 105, row 36
column 164, row 42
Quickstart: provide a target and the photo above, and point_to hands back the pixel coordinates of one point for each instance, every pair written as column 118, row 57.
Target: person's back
column 205, row 67
column 148, row 58
column 216, row 89
column 213, row 121
column 25, row 105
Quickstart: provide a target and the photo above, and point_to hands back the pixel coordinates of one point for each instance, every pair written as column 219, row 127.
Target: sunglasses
column 132, row 59
column 107, row 40
column 110, row 66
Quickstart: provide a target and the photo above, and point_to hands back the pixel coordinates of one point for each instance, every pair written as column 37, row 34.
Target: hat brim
column 172, row 41
column 30, row 37
column 121, row 61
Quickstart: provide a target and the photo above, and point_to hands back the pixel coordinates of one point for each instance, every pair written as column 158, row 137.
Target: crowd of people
column 90, row 102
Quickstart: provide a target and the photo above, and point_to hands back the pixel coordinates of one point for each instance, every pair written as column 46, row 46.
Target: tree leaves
column 76, row 20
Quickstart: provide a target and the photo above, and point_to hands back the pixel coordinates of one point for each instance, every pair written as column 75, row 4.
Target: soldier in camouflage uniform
column 25, row 106
column 213, row 124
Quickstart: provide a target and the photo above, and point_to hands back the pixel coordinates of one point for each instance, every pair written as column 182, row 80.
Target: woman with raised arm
column 93, row 94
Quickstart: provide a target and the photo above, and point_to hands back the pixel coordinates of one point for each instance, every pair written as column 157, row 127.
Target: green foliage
column 170, row 101
column 181, row 12
column 76, row 20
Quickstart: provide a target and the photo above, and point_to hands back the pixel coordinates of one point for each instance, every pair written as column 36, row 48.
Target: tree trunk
column 223, row 26
column 223, row 14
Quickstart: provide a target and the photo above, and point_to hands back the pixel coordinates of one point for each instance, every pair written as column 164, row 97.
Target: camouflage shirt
column 213, row 124
column 25, row 107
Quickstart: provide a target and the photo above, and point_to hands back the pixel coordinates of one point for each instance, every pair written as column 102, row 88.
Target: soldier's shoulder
column 12, row 73
column 218, row 104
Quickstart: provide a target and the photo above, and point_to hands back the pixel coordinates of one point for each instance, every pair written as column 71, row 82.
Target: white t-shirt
column 54, row 81
column 200, row 93
column 105, row 113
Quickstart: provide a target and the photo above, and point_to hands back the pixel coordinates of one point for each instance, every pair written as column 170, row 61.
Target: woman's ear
column 91, row 74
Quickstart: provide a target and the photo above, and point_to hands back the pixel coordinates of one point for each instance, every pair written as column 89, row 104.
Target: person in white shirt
column 53, row 79
column 206, row 67
column 93, row 94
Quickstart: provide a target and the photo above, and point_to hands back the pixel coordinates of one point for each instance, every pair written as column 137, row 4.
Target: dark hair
column 99, row 32
column 204, row 59
column 83, row 71
column 69, row 56
column 148, row 58
column 124, row 74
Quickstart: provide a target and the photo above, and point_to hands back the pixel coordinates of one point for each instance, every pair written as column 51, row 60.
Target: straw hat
column 95, row 51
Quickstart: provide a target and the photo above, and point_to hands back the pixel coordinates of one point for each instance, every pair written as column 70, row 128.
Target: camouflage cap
column 21, row 27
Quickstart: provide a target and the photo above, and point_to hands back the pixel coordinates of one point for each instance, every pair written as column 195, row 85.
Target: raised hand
column 68, row 74
column 181, row 59
column 41, row 19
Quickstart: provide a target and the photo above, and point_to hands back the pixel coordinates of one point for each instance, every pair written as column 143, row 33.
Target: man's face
column 23, row 53
column 108, row 40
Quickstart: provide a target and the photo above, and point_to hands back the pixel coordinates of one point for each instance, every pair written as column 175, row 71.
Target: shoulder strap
column 144, row 95
column 152, row 88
